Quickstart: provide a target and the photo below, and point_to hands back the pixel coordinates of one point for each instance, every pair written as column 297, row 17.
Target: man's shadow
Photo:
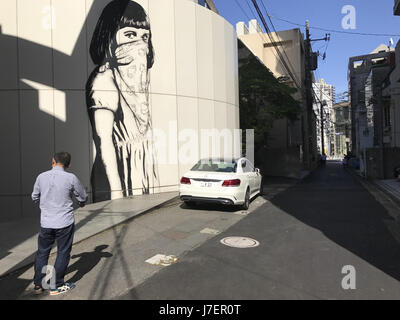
column 87, row 261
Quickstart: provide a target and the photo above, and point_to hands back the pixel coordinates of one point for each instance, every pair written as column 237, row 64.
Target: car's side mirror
column 257, row 170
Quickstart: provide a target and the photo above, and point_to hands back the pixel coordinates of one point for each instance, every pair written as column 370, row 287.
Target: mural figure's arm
column 103, row 125
column 102, row 105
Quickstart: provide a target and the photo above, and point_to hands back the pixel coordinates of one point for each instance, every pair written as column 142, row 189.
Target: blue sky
column 371, row 17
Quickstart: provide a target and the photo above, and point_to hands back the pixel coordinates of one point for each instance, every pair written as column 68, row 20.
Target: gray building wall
column 358, row 72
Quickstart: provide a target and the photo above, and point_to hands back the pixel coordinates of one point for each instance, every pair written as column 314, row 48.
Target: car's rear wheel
column 246, row 203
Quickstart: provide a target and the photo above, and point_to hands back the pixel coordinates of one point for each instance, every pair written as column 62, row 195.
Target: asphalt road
column 307, row 233
column 107, row 265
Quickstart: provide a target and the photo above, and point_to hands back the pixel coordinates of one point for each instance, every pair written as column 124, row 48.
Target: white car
column 229, row 182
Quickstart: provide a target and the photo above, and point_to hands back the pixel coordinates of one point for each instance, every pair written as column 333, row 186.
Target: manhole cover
column 240, row 242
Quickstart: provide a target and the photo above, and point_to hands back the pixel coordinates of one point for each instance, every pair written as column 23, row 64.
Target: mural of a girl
column 118, row 102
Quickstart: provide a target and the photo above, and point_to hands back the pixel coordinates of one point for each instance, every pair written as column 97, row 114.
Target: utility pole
column 308, row 139
column 309, row 96
column 322, row 123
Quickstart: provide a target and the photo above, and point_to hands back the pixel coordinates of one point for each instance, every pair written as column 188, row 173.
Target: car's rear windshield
column 215, row 165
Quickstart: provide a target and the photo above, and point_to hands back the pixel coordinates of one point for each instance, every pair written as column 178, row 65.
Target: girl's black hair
column 116, row 15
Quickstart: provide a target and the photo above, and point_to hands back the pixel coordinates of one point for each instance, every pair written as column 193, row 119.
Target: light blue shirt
column 54, row 190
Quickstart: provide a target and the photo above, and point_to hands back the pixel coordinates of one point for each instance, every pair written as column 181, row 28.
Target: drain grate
column 240, row 242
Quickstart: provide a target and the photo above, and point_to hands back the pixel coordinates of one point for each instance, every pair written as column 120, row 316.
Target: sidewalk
column 18, row 239
column 391, row 186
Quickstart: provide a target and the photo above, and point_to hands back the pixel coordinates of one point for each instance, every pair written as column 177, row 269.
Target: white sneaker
column 66, row 287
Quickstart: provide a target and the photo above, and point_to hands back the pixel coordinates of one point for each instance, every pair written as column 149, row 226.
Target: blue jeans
column 47, row 237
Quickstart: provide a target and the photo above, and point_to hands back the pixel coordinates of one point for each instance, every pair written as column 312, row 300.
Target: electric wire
column 262, row 36
column 275, row 31
column 279, row 57
column 339, row 31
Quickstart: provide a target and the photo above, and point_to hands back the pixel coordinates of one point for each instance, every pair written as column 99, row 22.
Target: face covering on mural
column 132, row 78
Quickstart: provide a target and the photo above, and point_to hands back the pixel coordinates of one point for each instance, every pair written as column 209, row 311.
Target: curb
column 388, row 193
column 139, row 214
column 391, row 191
column 371, row 184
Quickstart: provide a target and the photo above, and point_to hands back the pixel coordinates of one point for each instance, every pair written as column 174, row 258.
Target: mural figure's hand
column 126, row 53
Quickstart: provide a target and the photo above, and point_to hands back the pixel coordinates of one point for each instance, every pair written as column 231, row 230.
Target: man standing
column 54, row 190
column 323, row 159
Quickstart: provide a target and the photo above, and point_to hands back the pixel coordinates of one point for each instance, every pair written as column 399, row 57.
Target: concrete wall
column 358, row 71
column 288, row 41
column 395, row 100
column 380, row 163
column 46, row 64
column 283, row 133
column 279, row 162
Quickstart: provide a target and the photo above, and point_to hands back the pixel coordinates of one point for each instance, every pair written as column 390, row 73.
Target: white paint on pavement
column 162, row 260
column 242, row 213
column 210, row 231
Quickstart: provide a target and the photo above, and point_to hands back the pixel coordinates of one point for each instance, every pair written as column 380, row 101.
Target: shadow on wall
column 40, row 121
column 40, row 115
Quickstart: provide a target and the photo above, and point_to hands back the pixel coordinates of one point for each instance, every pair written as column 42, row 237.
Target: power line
column 273, row 27
column 280, row 57
column 322, row 118
column 322, row 91
column 326, row 45
column 263, row 39
column 284, row 51
column 326, row 96
column 339, row 31
column 274, row 44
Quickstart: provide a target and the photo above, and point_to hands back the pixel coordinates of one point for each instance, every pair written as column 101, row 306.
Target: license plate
column 206, row 184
